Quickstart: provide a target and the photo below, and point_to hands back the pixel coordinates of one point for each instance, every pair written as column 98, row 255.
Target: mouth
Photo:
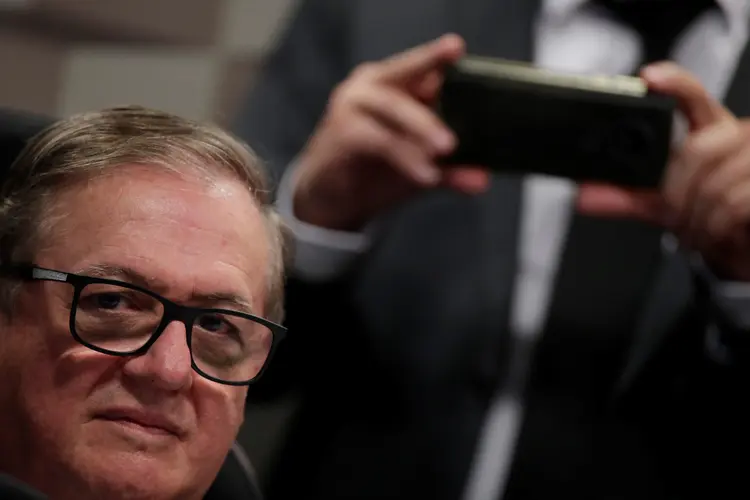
column 144, row 421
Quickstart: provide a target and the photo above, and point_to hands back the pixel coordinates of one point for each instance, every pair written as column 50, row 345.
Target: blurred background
column 191, row 57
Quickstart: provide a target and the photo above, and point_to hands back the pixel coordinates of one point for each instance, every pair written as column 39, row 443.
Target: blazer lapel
column 673, row 290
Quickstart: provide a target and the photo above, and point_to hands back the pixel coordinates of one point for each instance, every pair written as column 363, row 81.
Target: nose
column 166, row 364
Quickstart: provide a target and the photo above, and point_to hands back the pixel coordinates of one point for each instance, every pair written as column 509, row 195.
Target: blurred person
column 141, row 293
column 475, row 336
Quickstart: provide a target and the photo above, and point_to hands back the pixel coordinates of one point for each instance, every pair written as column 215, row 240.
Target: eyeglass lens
column 225, row 346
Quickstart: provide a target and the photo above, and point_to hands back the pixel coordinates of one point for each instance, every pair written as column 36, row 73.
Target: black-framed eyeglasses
column 121, row 319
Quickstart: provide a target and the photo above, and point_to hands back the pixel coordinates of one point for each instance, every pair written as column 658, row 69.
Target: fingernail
column 452, row 38
column 658, row 71
column 444, row 142
column 428, row 174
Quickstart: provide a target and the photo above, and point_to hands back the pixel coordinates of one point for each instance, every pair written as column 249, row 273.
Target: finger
column 729, row 219
column 700, row 155
column 410, row 161
column 467, row 179
column 373, row 139
column 694, row 101
column 735, row 165
column 611, row 201
column 420, row 60
column 408, row 116
column 426, row 89
column 712, row 190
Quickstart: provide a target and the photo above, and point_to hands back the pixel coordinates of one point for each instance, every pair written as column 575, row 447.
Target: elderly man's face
column 185, row 239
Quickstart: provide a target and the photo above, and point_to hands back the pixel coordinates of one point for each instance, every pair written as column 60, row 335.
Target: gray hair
column 91, row 144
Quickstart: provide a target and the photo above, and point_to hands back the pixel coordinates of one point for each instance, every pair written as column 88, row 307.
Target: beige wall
column 193, row 57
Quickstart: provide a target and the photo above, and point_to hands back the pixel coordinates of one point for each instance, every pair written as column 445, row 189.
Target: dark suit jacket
column 397, row 361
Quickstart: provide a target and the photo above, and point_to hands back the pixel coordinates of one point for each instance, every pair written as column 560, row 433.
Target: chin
column 136, row 475
column 141, row 482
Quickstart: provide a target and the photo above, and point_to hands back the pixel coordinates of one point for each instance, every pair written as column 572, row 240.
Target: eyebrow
column 133, row 277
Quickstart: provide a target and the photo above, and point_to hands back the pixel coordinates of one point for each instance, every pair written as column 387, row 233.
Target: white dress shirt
column 570, row 36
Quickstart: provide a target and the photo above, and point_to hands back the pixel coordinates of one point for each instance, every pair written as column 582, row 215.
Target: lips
column 150, row 421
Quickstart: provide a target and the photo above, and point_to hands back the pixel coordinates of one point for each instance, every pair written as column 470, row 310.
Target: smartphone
column 512, row 117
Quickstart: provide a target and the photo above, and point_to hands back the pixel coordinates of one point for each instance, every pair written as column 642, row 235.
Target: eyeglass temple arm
column 31, row 272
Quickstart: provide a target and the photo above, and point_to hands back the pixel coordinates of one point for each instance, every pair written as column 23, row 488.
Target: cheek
column 60, row 364
column 55, row 395
column 56, row 365
column 220, row 411
column 68, row 379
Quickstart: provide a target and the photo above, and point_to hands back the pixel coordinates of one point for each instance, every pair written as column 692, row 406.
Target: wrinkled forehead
column 178, row 228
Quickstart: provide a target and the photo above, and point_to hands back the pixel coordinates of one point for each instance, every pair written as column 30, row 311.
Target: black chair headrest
column 16, row 128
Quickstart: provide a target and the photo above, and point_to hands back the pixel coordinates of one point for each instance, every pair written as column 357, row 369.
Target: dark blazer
column 396, row 362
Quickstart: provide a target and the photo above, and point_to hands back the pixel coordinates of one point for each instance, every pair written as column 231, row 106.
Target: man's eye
column 211, row 323
column 107, row 300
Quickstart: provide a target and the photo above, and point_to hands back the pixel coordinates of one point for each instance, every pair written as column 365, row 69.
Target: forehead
column 186, row 231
